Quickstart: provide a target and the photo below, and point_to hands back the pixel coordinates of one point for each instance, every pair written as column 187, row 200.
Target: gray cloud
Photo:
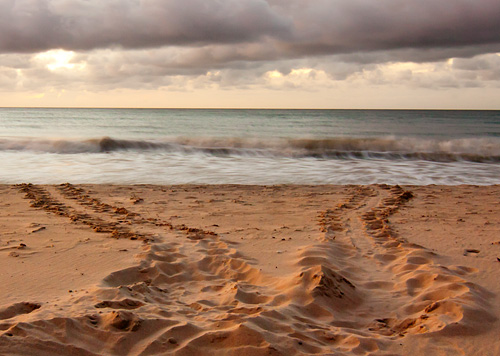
column 482, row 68
column 277, row 28
column 37, row 25
column 326, row 26
column 148, row 44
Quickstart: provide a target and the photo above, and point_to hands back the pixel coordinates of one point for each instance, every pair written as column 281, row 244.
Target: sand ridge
column 344, row 281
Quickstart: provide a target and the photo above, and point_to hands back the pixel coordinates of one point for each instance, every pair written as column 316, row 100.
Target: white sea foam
column 175, row 168
column 471, row 149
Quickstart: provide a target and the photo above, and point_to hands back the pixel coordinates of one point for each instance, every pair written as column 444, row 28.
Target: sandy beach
column 249, row 270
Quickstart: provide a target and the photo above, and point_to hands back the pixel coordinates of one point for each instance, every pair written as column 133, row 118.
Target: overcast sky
column 251, row 53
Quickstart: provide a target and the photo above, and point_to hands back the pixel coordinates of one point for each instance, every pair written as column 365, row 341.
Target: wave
column 484, row 150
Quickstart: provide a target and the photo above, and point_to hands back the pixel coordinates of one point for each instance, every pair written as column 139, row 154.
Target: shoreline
column 249, row 269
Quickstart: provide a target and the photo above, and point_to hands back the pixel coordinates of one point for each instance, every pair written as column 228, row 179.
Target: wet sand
column 249, row 270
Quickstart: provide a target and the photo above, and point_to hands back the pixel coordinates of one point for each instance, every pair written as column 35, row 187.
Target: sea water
column 177, row 146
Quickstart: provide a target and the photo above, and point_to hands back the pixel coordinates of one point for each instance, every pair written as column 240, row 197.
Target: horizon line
column 235, row 108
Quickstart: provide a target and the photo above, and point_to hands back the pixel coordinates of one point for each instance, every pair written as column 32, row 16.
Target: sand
column 249, row 270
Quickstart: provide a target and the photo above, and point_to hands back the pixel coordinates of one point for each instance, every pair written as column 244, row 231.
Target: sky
column 428, row 54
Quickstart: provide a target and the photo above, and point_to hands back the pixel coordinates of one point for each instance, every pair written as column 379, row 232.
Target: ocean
column 209, row 146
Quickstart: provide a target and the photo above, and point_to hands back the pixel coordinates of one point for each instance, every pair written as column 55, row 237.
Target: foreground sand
column 249, row 270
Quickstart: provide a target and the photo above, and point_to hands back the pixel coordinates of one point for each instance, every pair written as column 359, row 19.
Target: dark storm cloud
column 37, row 25
column 340, row 26
column 281, row 28
column 179, row 44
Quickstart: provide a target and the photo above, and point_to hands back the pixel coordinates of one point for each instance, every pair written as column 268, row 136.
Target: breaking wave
column 484, row 150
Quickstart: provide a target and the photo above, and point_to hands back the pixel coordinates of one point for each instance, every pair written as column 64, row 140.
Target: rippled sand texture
column 249, row 270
